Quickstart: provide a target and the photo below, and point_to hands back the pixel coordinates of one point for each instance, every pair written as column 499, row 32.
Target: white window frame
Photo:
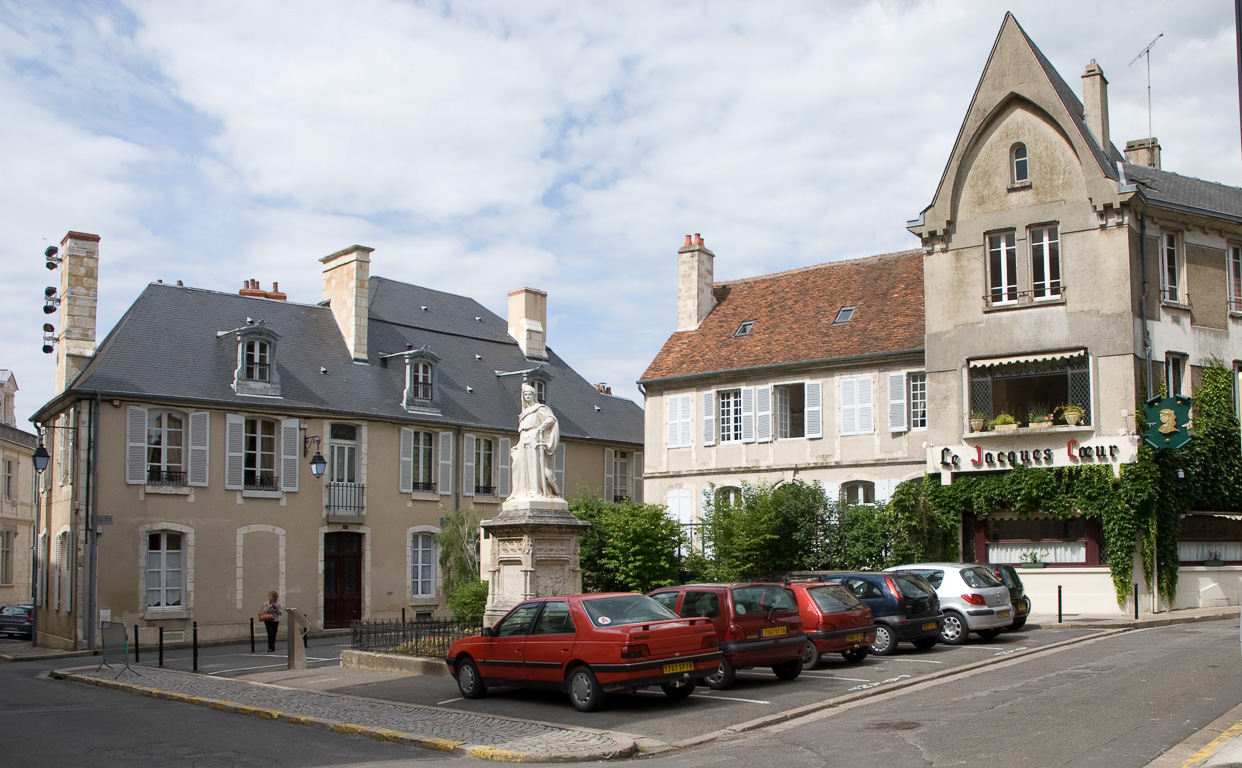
column 861, row 487
column 422, row 563
column 421, row 380
column 917, row 393
column 857, row 405
column 783, row 416
column 620, row 475
column 484, row 449
column 257, row 360
column 1019, row 167
column 1003, row 276
column 343, row 456
column 1175, row 370
column 1233, row 272
column 729, row 415
column 158, row 447
column 9, row 478
column 8, row 543
column 1044, row 243
column 1170, row 268
column 164, row 571
column 253, row 451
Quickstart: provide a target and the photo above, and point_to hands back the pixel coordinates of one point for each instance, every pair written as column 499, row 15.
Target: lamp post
column 41, row 458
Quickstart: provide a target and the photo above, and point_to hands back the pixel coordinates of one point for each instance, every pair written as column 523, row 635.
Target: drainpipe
column 35, row 553
column 92, row 502
column 1143, row 303
column 458, row 470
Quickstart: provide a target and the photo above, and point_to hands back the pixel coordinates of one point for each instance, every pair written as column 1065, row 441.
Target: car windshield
column 915, row 587
column 625, row 609
column 980, row 578
column 832, row 599
column 14, row 610
column 762, row 598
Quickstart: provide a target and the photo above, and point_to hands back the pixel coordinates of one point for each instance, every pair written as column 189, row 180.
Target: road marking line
column 710, row 695
column 834, row 677
column 1213, row 746
column 450, row 701
column 915, row 661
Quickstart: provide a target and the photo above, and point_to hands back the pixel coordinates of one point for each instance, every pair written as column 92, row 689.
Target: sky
column 568, row 146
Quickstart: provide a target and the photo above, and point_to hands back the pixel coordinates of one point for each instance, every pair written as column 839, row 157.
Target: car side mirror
column 488, row 632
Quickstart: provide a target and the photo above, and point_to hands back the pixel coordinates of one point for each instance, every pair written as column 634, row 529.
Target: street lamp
column 318, row 463
column 41, row 457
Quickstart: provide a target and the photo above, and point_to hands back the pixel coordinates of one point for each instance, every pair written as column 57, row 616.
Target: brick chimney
column 1095, row 104
column 1144, row 152
column 694, row 283
column 79, row 299
column 528, row 321
column 251, row 288
column 345, row 276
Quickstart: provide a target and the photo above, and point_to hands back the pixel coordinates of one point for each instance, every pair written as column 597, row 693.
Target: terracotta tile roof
column 793, row 314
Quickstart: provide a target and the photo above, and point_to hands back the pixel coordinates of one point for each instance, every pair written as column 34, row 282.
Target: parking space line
column 913, row 661
column 834, row 677
column 449, row 701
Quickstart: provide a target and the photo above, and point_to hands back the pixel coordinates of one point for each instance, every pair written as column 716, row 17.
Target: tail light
column 736, row 633
column 635, row 650
column 826, row 626
column 710, row 641
column 975, row 599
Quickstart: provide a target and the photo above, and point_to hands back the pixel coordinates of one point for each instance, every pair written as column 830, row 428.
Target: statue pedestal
column 533, row 548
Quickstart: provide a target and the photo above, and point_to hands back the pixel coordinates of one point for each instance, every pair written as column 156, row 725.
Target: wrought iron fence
column 429, row 638
column 349, row 498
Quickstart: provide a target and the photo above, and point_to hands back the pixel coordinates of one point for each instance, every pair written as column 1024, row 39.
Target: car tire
column 953, row 630
column 885, row 643
column 855, row 655
column 723, row 678
column 679, row 691
column 1018, row 624
column 811, row 656
column 926, row 643
column 789, row 670
column 584, row 690
column 990, row 634
column 469, row 681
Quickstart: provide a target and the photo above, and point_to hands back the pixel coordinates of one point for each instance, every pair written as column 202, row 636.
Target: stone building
column 17, row 507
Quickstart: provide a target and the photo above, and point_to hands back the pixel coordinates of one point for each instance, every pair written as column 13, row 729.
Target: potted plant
column 1072, row 413
column 1039, row 416
column 1033, row 559
column 977, row 420
column 1004, row 422
column 1213, row 559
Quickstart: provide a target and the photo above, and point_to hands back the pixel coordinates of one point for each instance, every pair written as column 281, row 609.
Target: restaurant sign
column 991, row 454
column 1168, row 422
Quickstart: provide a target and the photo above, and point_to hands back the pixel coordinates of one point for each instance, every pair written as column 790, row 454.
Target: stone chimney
column 694, row 283
column 528, row 321
column 345, row 276
column 79, row 299
column 1144, row 152
column 1095, row 104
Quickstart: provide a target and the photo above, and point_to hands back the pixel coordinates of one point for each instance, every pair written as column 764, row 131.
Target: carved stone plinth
column 532, row 552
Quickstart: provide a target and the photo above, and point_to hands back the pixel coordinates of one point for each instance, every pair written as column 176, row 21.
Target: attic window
column 844, row 315
column 256, row 372
column 1018, row 164
column 744, row 328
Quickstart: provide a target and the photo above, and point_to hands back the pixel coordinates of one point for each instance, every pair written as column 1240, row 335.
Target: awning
column 990, row 362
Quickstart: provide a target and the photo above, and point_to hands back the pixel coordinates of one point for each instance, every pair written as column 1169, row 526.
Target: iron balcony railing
column 425, row 487
column 265, row 481
column 429, row 638
column 165, row 477
column 346, row 498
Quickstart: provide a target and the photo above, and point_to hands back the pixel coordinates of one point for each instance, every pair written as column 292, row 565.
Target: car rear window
column 762, row 598
column 832, row 599
column 934, row 576
column 14, row 610
column 1007, row 576
column 980, row 578
column 913, row 588
column 625, row 609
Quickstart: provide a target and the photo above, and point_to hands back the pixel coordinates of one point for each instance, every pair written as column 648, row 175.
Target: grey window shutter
column 234, row 446
column 135, row 445
column 445, row 480
column 866, row 406
column 559, row 469
column 406, row 478
column 849, row 406
column 636, row 469
column 709, row 418
column 687, row 420
column 897, row 402
column 610, row 459
column 467, row 464
column 763, row 414
column 289, row 455
column 748, row 414
column 200, row 445
column 674, row 421
column 502, row 468
column 814, row 409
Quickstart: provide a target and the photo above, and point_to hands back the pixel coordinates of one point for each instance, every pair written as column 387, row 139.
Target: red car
column 835, row 621
column 587, row 646
column 758, row 625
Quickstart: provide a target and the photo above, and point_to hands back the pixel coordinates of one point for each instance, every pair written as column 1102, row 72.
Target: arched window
column 858, row 492
column 728, row 496
column 1018, row 164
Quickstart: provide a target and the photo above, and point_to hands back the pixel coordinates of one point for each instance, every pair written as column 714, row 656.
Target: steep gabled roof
column 793, row 314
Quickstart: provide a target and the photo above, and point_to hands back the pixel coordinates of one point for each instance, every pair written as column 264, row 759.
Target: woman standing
column 269, row 614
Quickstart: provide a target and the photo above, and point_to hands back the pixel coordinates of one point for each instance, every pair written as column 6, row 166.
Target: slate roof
column 793, row 314
column 1186, row 193
column 166, row 348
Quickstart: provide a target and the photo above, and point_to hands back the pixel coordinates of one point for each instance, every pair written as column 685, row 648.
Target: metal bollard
column 195, row 646
column 252, row 634
column 135, row 643
column 1136, row 602
column 1058, row 603
column 402, row 615
column 161, row 646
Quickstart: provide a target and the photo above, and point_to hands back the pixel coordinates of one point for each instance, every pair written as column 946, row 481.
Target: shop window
column 1210, row 537
column 1020, row 387
column 1047, row 539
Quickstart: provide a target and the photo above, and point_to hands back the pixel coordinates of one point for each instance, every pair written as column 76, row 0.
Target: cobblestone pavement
column 480, row 736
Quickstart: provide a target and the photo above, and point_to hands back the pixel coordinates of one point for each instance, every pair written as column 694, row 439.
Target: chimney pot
column 698, row 239
column 688, row 242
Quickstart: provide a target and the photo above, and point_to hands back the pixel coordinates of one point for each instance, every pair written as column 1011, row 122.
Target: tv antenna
column 1147, row 52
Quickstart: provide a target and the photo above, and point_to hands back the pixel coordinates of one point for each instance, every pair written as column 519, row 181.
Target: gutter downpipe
column 1143, row 299
column 34, row 547
column 92, row 501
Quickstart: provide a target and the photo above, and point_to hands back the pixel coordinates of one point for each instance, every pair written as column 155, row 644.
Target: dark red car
column 757, row 624
column 587, row 646
column 835, row 621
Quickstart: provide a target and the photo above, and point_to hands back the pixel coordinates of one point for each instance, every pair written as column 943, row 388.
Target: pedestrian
column 269, row 614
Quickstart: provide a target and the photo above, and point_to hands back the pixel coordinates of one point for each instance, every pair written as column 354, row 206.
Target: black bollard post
column 252, row 634
column 1058, row 603
column 161, row 646
column 1136, row 602
column 135, row 643
column 305, row 637
column 195, row 641
column 402, row 615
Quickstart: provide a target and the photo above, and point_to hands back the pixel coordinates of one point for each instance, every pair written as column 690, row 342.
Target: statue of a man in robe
column 534, row 475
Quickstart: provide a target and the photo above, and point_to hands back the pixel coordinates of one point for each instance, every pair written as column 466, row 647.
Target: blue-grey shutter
column 467, row 464
column 559, row 469
column 234, row 447
column 444, row 482
column 405, row 478
column 289, row 455
column 200, row 446
column 897, row 402
column 636, row 471
column 504, row 473
column 709, row 418
column 748, row 414
column 610, row 459
column 136, row 445
column 763, row 414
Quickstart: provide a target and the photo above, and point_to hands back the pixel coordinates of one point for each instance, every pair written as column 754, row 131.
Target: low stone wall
column 393, row 662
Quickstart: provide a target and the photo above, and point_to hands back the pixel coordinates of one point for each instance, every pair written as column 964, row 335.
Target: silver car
column 972, row 599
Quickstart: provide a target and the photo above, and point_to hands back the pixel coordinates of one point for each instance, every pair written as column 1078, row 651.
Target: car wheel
column 953, row 629
column 789, row 670
column 722, row 679
column 469, row 681
column 1018, row 623
column 677, row 691
column 885, row 643
column 926, row 643
column 810, row 657
column 584, row 691
column 989, row 634
column 855, row 655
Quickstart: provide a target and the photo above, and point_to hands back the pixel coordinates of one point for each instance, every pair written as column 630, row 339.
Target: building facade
column 17, row 506
column 181, row 490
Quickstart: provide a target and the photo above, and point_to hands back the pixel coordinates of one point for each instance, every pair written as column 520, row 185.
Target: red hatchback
column 587, row 646
column 835, row 621
column 758, row 625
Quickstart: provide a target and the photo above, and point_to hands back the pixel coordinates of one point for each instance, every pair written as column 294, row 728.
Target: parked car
column 587, row 646
column 834, row 621
column 1017, row 593
column 17, row 620
column 904, row 606
column 757, row 625
column 973, row 600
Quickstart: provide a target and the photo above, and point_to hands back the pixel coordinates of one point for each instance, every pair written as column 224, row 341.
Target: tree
column 458, row 543
column 629, row 547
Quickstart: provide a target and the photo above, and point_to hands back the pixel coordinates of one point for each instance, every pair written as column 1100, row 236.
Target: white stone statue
column 534, row 475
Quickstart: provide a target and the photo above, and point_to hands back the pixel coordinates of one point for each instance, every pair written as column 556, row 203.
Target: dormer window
column 539, row 378
column 1018, row 165
column 421, row 371
column 744, row 328
column 256, row 372
column 257, row 361
column 844, row 315
column 420, row 380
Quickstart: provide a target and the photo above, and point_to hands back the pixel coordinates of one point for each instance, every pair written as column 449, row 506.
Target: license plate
column 854, row 638
column 774, row 631
column 930, row 625
column 1003, row 614
column 681, row 666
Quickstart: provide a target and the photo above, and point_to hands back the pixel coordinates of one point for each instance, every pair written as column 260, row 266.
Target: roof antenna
column 1147, row 52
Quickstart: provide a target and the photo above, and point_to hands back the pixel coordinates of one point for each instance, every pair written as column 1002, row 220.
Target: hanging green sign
column 1168, row 422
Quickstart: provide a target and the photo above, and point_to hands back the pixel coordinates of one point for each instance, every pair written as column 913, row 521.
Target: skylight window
column 844, row 315
column 744, row 328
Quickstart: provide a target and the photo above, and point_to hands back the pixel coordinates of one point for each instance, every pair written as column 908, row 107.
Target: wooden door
column 342, row 579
